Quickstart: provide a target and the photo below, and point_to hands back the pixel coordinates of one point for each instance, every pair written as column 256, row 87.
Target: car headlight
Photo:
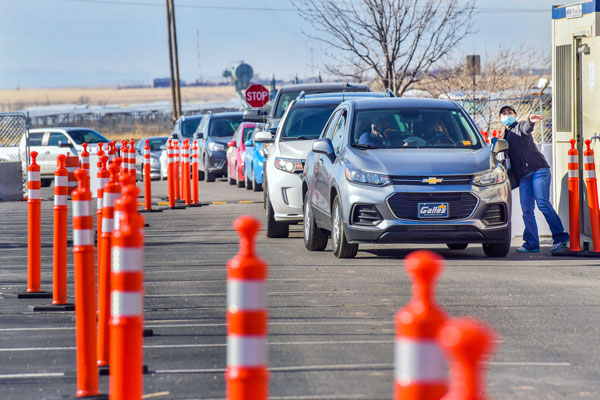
column 214, row 146
column 356, row 175
column 289, row 165
column 492, row 177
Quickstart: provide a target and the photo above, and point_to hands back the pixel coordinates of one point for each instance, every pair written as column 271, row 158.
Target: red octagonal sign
column 257, row 95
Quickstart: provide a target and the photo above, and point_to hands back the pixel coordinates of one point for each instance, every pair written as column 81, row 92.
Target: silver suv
column 404, row 171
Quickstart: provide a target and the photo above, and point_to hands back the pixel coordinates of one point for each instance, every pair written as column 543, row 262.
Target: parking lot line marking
column 247, row 201
column 33, row 375
column 270, row 293
column 531, row 364
column 218, row 202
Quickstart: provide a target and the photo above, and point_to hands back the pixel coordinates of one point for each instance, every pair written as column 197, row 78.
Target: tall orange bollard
column 485, row 136
column 112, row 191
column 112, row 152
column 467, row 342
column 124, row 157
column 127, row 295
column 84, row 158
column 421, row 371
column 177, row 170
column 186, row 173
column 589, row 170
column 573, row 182
column 102, row 177
column 195, row 151
column 34, row 233
column 247, row 373
column 170, row 174
column 72, row 164
column 132, row 154
column 85, row 288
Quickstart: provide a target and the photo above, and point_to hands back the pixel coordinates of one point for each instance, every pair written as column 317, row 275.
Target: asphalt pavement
column 331, row 326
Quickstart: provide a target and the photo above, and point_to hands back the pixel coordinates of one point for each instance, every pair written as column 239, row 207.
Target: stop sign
column 257, row 95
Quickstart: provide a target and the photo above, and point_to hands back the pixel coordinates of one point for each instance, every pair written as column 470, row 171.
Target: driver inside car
column 382, row 135
column 437, row 134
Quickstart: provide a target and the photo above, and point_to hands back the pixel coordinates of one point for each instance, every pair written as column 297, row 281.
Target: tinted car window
column 338, row 133
column 306, row 122
column 35, row 139
column 413, row 128
column 248, row 133
column 286, row 97
column 224, row 127
column 56, row 138
column 81, row 136
column 154, row 144
column 189, row 127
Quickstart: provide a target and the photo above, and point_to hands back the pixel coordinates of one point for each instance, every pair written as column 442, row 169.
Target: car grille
column 418, row 180
column 406, row 205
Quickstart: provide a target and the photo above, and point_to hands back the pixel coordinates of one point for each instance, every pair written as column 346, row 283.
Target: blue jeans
column 535, row 188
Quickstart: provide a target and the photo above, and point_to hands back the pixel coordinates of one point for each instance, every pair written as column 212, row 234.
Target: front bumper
column 285, row 194
column 217, row 163
column 386, row 227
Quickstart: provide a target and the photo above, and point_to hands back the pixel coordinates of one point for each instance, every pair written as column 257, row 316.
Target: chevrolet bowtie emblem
column 432, row 180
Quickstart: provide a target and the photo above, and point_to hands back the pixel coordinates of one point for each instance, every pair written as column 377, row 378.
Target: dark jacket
column 525, row 157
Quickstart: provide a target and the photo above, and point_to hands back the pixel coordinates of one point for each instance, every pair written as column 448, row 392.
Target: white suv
column 300, row 126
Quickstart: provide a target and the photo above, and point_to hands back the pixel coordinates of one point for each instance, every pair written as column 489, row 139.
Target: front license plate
column 433, row 210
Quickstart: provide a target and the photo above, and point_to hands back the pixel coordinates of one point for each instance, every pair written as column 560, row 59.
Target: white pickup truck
column 49, row 143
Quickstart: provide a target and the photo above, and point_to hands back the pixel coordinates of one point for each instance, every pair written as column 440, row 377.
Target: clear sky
column 72, row 42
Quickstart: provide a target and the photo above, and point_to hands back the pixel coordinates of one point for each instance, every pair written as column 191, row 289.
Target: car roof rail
column 389, row 93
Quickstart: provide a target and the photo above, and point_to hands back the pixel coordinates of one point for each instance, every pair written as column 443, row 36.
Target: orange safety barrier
column 102, row 176
column 185, row 172
column 84, row 158
column 127, row 294
column 59, row 259
column 132, row 154
column 573, row 182
column 112, row 191
column 124, row 157
column 468, row 343
column 420, row 366
column 147, row 178
column 247, row 373
column 85, row 288
column 170, row 173
column 71, row 164
column 589, row 170
column 485, row 135
column 112, row 152
column 195, row 154
column 177, row 170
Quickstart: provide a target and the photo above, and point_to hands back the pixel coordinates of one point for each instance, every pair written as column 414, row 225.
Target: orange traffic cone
column 573, row 184
column 592, row 191
column 84, row 158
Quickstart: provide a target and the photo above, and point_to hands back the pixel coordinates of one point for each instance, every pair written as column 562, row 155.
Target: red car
column 235, row 153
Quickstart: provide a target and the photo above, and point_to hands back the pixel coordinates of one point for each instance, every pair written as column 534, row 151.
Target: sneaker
column 559, row 245
column 524, row 249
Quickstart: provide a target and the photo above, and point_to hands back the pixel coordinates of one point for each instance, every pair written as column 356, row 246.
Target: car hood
column 297, row 149
column 223, row 140
column 419, row 162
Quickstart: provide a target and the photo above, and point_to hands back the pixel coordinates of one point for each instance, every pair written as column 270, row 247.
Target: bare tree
column 394, row 41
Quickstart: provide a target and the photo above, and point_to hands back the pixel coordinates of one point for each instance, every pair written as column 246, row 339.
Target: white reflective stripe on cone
column 127, row 259
column 85, row 160
column 33, row 194
column 99, row 203
column 33, row 176
column 126, row 304
column 108, row 225
column 83, row 237
column 61, row 180
column 588, row 159
column 573, row 159
column 246, row 351
column 110, row 198
column 246, row 295
column 419, row 361
column 60, row 199
column 102, row 182
column 573, row 173
column 82, row 208
column 589, row 174
column 117, row 217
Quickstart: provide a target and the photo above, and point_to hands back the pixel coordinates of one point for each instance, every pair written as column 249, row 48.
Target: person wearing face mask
column 533, row 173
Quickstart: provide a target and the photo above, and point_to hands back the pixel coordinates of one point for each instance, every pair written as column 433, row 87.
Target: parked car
column 405, row 171
column 213, row 134
column 49, row 143
column 235, row 153
column 155, row 142
column 253, row 161
column 184, row 128
column 300, row 126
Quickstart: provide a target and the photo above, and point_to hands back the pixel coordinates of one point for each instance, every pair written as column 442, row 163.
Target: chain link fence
column 12, row 128
column 485, row 113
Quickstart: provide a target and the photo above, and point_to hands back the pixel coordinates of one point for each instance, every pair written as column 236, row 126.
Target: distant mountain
column 41, row 78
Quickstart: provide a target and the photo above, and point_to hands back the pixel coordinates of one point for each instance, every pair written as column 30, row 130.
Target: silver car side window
column 328, row 132
column 338, row 133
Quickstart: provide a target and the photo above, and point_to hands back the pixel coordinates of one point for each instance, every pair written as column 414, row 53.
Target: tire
column 239, row 183
column 341, row 247
column 46, row 182
column 498, row 250
column 457, row 246
column 275, row 229
column 256, row 187
column 230, row 179
column 249, row 184
column 200, row 175
column 207, row 175
column 315, row 238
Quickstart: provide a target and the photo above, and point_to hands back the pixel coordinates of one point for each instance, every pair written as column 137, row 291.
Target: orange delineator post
column 127, row 295
column 147, row 178
column 171, row 173
column 132, row 154
column 112, row 152
column 177, row 170
column 124, row 157
column 589, row 172
column 112, row 191
column 102, row 176
column 186, row 173
column 247, row 373
column 195, row 149
column 59, row 259
column 468, row 343
column 573, row 183
column 84, row 158
column 85, row 288
column 485, row 135
column 421, row 371
column 72, row 164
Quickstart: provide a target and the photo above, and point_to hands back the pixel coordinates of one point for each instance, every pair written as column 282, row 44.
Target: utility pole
column 176, row 53
column 173, row 96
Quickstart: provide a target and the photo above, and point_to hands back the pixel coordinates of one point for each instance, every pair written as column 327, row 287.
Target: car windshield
column 224, row 127
column 413, row 128
column 155, row 144
column 306, row 122
column 189, row 127
column 247, row 134
column 287, row 97
column 81, row 136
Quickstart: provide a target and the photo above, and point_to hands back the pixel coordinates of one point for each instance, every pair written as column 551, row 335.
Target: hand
column 535, row 118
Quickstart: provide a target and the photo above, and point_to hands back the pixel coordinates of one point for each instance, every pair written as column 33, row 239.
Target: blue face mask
column 508, row 120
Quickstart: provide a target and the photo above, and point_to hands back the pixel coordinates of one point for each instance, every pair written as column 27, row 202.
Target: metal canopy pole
column 169, row 30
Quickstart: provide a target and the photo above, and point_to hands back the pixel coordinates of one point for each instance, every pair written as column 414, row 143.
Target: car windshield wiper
column 298, row 138
column 365, row 146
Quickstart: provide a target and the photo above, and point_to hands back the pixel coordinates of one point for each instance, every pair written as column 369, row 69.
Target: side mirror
column 499, row 146
column 263, row 137
column 248, row 143
column 64, row 144
column 231, row 143
column 273, row 130
column 324, row 146
column 199, row 135
column 255, row 115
